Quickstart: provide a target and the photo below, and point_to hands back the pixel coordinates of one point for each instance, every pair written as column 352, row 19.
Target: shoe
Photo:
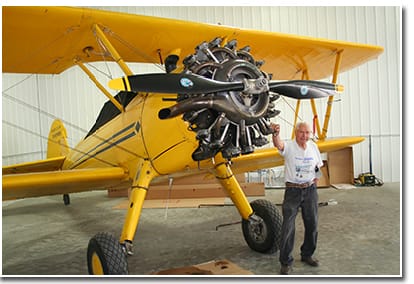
column 285, row 269
column 311, row 261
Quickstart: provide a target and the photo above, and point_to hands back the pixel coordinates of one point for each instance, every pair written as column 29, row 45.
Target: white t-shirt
column 299, row 163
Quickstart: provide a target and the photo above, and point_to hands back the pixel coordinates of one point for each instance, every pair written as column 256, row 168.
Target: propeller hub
column 249, row 104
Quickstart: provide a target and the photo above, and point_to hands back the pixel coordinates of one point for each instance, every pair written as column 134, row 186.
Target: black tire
column 106, row 256
column 263, row 236
column 66, row 199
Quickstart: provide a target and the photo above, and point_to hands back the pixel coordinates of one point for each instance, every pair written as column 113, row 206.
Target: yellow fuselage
column 133, row 137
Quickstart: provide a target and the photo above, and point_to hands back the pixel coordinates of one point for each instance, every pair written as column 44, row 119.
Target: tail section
column 57, row 144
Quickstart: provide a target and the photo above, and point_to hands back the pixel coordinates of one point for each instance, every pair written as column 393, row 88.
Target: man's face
column 302, row 134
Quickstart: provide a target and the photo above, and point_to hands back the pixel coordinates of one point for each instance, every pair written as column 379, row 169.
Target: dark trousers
column 307, row 200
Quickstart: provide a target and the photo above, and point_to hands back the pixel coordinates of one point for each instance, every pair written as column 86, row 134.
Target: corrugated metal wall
column 371, row 104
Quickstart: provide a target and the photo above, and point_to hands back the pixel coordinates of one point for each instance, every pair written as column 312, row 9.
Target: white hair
column 302, row 123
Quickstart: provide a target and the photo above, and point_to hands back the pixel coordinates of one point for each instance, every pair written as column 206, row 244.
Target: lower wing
column 269, row 158
column 35, row 184
column 45, row 177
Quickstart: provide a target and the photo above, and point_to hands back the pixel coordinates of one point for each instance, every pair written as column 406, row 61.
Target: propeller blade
column 305, row 89
column 195, row 84
column 173, row 83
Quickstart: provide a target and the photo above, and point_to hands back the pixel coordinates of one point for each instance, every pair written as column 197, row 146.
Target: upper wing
column 30, row 179
column 268, row 158
column 48, row 39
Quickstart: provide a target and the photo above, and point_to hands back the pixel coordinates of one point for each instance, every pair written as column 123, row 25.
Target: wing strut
column 115, row 55
column 315, row 113
column 99, row 85
column 330, row 99
column 305, row 76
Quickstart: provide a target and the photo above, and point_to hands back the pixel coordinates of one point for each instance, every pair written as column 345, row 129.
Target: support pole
column 330, row 99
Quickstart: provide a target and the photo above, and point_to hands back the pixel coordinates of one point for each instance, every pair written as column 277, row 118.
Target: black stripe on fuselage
column 110, row 145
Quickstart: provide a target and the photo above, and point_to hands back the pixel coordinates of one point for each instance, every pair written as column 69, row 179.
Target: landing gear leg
column 103, row 263
column 232, row 186
column 136, row 201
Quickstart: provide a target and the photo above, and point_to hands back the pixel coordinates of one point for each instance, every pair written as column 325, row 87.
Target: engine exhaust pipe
column 219, row 103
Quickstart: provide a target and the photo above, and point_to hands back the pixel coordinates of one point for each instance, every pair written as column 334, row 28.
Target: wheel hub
column 97, row 265
column 257, row 228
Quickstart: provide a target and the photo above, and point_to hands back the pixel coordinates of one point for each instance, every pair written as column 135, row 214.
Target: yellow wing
column 268, row 158
column 52, row 164
column 48, row 39
column 35, row 184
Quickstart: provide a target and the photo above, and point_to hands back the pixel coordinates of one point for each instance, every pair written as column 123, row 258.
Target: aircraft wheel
column 106, row 256
column 66, row 199
column 264, row 234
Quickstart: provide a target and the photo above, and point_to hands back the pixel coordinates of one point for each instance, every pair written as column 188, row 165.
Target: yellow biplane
column 207, row 113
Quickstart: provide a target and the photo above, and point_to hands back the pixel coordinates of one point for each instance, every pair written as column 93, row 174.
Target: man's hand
column 275, row 128
column 277, row 142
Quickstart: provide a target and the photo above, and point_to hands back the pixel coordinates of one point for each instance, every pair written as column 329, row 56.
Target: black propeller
column 172, row 83
column 305, row 89
column 195, row 84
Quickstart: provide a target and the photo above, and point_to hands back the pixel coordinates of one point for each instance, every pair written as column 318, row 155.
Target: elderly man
column 302, row 163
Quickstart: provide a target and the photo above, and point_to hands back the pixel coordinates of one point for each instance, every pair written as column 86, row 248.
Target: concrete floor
column 360, row 236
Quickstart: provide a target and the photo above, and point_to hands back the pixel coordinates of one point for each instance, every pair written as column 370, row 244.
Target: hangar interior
column 369, row 107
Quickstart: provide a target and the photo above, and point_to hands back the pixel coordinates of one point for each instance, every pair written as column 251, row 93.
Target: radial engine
column 231, row 122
